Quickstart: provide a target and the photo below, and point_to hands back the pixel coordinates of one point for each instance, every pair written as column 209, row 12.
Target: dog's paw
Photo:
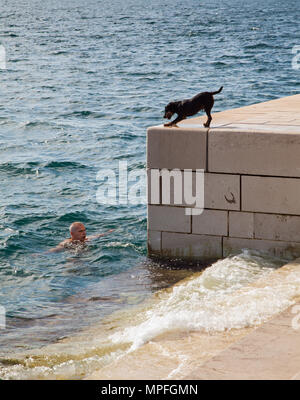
column 171, row 126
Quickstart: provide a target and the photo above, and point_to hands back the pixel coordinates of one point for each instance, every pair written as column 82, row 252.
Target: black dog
column 187, row 108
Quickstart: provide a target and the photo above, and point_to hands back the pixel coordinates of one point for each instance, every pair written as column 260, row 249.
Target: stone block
column 182, row 148
column 197, row 247
column 255, row 152
column 279, row 249
column 241, row 224
column 271, row 195
column 171, row 219
column 211, row 222
column 222, row 191
column 277, row 227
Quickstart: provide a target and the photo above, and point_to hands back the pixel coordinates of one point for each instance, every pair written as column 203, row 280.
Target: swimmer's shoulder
column 66, row 243
column 61, row 246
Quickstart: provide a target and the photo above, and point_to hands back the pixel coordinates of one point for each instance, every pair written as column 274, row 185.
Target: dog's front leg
column 172, row 123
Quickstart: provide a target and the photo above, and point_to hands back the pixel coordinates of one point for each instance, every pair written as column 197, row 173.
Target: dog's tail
column 218, row 91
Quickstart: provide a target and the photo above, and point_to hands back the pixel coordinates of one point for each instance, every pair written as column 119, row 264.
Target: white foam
column 214, row 300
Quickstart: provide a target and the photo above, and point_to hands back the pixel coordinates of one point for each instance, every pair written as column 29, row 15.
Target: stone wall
column 251, row 162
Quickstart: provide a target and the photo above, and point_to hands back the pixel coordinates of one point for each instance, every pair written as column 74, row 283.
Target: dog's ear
column 169, row 110
column 171, row 106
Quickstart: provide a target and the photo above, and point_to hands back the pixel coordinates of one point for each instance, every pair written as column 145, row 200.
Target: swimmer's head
column 77, row 231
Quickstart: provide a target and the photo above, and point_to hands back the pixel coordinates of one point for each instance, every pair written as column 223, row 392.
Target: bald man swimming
column 78, row 237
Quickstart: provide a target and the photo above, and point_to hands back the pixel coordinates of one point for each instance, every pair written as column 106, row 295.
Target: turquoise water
column 83, row 82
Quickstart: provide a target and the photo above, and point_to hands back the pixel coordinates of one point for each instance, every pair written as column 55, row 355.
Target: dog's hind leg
column 209, row 117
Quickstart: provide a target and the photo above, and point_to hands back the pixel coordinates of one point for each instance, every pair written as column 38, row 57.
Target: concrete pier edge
column 250, row 158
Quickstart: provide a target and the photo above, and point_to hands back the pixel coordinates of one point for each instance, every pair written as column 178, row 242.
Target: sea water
column 82, row 82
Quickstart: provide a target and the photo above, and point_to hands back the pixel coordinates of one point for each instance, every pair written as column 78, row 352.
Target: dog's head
column 170, row 109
